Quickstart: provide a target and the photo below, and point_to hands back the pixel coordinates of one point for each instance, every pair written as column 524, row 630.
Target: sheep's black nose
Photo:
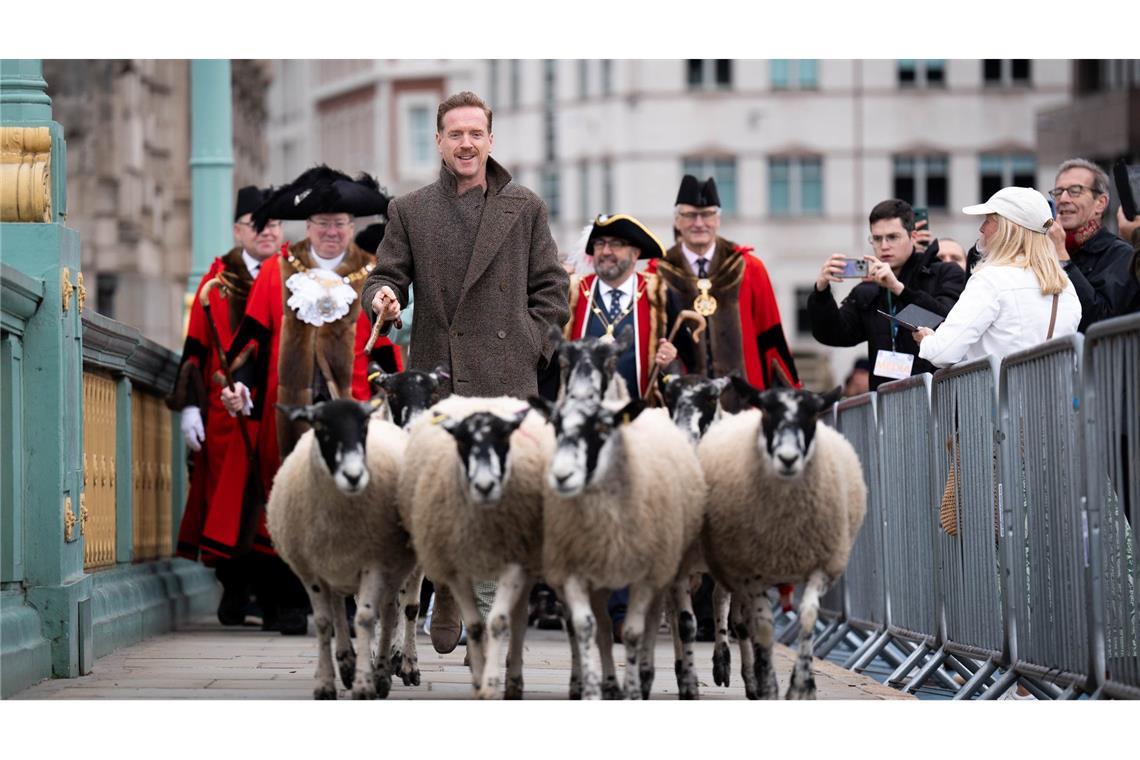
column 561, row 478
column 352, row 479
column 485, row 490
column 787, row 461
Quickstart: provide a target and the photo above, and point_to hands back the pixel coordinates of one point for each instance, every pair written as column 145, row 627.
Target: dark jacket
column 1101, row 272
column 488, row 284
column 927, row 282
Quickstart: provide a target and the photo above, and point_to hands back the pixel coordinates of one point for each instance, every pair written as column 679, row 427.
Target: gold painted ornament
column 704, row 304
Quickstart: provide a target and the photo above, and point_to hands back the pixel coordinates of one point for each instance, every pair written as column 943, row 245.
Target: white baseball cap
column 1021, row 205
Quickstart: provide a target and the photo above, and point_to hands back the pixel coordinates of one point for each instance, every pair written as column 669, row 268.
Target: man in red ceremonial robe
column 303, row 337
column 210, row 433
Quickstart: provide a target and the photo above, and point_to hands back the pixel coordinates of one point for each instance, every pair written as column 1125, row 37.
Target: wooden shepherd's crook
column 204, row 300
column 688, row 315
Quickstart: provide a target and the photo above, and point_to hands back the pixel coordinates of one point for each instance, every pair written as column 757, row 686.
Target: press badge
column 893, row 364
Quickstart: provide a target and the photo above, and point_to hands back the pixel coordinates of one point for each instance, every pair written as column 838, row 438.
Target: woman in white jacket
column 1008, row 302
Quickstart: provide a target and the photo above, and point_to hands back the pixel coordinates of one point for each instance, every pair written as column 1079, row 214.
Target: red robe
column 649, row 319
column 256, row 355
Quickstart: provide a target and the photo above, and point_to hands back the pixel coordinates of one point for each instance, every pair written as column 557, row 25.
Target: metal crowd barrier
column 1045, row 544
column 1111, row 412
column 863, row 585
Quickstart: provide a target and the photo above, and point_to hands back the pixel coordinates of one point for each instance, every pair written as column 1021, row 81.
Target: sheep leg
column 722, row 656
column 512, row 582
column 577, row 598
column 367, row 598
column 345, row 654
column 575, row 691
column 670, row 605
column 741, row 615
column 599, row 603
column 686, row 631
column 640, row 599
column 762, row 631
column 647, row 653
column 464, row 591
column 519, row 616
column 405, row 662
column 385, row 602
column 321, row 599
column 802, row 684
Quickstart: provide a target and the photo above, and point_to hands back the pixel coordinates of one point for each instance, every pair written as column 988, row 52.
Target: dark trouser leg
column 233, row 574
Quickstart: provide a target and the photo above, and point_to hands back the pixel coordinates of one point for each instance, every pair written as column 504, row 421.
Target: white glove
column 193, row 432
column 237, row 400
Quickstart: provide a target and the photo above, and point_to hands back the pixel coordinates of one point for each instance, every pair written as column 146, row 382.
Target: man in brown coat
column 487, row 280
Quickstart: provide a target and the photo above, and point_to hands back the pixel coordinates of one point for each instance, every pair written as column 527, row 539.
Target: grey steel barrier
column 909, row 504
column 1111, row 412
column 863, row 583
column 964, row 412
column 1045, row 553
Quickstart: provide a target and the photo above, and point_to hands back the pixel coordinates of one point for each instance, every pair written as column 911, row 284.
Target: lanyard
column 894, row 324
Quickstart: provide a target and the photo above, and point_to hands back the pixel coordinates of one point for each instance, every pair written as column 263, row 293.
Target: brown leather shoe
column 445, row 625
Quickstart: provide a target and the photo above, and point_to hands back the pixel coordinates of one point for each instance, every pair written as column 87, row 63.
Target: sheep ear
column 442, row 370
column 368, row 408
column 826, row 400
column 630, row 411
column 543, row 406
column 515, row 420
column 555, row 335
column 721, row 383
column 747, row 393
column 624, row 340
column 297, row 413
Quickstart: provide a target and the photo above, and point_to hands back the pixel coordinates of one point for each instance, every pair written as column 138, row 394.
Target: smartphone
column 853, row 268
column 922, row 215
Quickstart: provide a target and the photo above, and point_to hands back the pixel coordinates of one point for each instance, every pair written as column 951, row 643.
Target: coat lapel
column 499, row 217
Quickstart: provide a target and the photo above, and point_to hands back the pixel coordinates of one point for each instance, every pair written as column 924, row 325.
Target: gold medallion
column 704, row 304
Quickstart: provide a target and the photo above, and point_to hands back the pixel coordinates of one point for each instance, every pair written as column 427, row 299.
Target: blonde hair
column 1015, row 246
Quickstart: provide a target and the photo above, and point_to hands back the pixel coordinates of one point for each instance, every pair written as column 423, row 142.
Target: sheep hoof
column 408, row 672
column 611, row 689
column 575, row 687
column 687, row 686
column 383, row 684
column 722, row 665
column 514, row 687
column 346, row 664
column 364, row 690
column 324, row 691
column 646, row 677
column 801, row 690
column 396, row 659
column 750, row 691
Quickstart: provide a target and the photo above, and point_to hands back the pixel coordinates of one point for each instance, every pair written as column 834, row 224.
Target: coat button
column 502, row 334
column 503, row 286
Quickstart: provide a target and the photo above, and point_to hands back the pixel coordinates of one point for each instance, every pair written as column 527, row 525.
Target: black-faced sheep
column 472, row 495
column 790, row 499
column 333, row 518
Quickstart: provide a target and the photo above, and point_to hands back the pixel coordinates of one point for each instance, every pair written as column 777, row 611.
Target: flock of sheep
column 592, row 493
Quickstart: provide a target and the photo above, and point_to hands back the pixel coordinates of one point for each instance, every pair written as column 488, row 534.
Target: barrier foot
column 830, row 629
column 1040, row 689
column 1008, row 679
column 1069, row 693
column 979, row 678
column 1098, row 694
column 880, row 643
column 925, row 672
column 788, row 635
column 859, row 650
column 826, row 645
column 898, row 678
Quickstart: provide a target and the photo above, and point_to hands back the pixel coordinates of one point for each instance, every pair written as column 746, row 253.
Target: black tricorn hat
column 696, row 194
column 248, row 199
column 370, row 237
column 626, row 227
column 322, row 190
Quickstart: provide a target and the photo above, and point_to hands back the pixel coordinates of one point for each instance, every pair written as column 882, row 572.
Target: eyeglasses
column 338, row 226
column 690, row 216
column 1074, row 191
column 615, row 244
column 878, row 240
column 273, row 225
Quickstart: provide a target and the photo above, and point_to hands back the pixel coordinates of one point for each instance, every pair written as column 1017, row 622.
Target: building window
column 709, row 73
column 922, row 180
column 420, row 131
column 607, row 77
column 607, row 186
column 493, row 82
column 723, row 170
column 552, row 191
column 998, row 170
column 787, row 74
column 106, row 283
column 549, row 90
column 795, row 186
column 583, row 79
column 584, row 192
column 997, row 72
column 921, row 73
column 516, row 83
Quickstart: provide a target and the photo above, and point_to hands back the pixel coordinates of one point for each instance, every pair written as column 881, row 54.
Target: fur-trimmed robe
column 650, row 321
column 199, row 383
column 277, row 357
column 745, row 333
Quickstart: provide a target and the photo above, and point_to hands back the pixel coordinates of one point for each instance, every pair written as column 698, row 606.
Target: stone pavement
column 207, row 661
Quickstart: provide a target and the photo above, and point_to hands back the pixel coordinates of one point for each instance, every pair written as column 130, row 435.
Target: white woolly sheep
column 790, row 499
column 333, row 518
column 471, row 493
column 623, row 505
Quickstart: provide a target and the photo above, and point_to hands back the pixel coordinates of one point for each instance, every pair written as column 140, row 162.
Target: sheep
column 623, row 505
column 693, row 402
column 589, row 368
column 407, row 395
column 471, row 493
column 333, row 517
column 790, row 501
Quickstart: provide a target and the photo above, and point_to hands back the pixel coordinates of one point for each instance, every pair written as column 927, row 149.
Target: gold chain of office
column 347, row 279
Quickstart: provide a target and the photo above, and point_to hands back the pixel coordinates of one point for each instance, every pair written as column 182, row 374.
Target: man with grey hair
column 1098, row 262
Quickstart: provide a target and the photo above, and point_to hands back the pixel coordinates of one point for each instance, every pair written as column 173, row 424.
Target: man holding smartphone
column 897, row 276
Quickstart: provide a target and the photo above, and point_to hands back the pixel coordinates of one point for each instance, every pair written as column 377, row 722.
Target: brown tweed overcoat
column 487, row 281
